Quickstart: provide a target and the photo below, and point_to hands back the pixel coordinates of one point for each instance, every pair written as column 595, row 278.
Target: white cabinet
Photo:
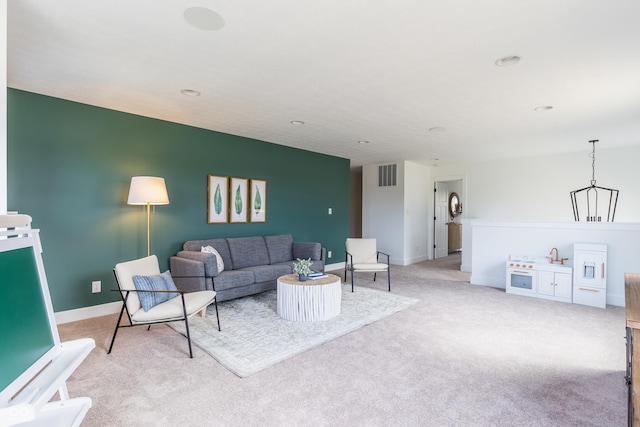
column 590, row 274
column 555, row 285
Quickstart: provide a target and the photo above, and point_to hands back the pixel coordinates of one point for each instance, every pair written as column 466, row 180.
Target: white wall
column 383, row 212
column 494, row 241
column 537, row 188
column 417, row 213
column 398, row 217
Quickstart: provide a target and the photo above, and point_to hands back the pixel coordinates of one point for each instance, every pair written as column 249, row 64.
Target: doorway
column 447, row 229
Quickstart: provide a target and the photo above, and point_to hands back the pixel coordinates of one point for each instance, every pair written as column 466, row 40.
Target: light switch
column 330, row 211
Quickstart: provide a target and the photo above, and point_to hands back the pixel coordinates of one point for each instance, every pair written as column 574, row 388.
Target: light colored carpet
column 254, row 337
column 463, row 355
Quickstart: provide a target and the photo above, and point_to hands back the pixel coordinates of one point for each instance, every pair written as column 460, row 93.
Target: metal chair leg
column 117, row 327
column 389, row 278
column 186, row 325
column 217, row 315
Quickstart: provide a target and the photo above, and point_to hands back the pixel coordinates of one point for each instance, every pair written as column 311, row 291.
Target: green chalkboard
column 25, row 331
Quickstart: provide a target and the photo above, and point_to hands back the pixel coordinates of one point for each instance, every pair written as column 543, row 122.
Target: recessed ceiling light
column 507, row 61
column 363, row 142
column 203, row 19
column 190, row 92
column 297, row 122
column 437, row 129
column 544, row 108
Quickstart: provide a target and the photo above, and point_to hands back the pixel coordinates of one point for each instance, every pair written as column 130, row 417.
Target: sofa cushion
column 233, row 279
column 306, row 250
column 264, row 273
column 280, row 248
column 219, row 244
column 248, row 251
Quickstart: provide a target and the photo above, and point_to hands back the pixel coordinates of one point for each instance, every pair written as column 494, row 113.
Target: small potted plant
column 302, row 267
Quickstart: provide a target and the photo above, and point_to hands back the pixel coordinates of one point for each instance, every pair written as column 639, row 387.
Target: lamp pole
column 148, row 228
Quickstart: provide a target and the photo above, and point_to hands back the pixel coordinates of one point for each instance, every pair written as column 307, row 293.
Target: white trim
column 336, row 266
column 88, row 312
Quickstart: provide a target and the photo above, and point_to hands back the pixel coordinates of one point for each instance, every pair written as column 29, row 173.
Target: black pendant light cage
column 591, row 194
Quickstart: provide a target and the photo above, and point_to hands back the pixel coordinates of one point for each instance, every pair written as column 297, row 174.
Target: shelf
column 67, row 413
column 54, row 376
column 31, row 407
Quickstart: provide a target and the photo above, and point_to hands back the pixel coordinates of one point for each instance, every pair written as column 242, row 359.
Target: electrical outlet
column 330, row 211
column 96, row 286
column 329, row 254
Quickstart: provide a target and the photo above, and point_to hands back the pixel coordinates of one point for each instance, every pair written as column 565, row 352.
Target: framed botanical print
column 238, row 200
column 258, row 203
column 217, row 200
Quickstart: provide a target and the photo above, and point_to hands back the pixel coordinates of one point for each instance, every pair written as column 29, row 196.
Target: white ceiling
column 352, row 70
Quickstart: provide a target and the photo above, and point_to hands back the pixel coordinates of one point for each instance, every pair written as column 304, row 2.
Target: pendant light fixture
column 591, row 193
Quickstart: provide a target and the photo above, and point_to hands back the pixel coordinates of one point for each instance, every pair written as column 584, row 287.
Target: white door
column 441, row 232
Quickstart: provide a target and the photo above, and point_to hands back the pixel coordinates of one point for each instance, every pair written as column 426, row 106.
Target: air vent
column 387, row 175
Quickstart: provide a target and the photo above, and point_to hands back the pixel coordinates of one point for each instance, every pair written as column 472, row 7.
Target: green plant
column 217, row 200
column 257, row 205
column 238, row 201
column 302, row 266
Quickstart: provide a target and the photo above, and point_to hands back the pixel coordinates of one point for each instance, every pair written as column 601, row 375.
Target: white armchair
column 363, row 256
column 168, row 304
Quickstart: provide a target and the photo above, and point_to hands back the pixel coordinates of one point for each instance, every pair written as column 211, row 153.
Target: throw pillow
column 158, row 282
column 212, row 250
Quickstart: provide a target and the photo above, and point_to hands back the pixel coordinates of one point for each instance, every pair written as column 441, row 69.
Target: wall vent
column 387, row 175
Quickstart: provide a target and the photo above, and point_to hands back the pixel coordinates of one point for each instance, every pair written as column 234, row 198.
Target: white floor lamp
column 148, row 190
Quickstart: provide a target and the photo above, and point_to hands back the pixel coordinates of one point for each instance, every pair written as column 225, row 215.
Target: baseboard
column 617, row 300
column 114, row 307
column 336, row 266
column 87, row 312
column 494, row 282
column 417, row 259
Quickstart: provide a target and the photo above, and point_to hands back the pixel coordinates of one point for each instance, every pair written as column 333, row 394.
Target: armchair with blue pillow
column 150, row 297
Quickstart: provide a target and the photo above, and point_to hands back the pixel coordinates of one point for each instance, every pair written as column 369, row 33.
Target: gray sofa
column 251, row 264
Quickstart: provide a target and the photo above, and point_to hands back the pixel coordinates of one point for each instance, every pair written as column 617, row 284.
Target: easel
column 35, row 364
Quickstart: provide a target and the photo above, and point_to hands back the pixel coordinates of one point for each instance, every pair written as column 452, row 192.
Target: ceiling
column 417, row 79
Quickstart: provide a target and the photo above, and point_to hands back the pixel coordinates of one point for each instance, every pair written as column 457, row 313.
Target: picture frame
column 217, row 199
column 258, row 204
column 238, row 200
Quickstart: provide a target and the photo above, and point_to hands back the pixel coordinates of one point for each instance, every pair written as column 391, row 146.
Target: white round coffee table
column 309, row 301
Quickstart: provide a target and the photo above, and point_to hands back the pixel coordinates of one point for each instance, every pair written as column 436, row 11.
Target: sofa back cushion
column 248, row 251
column 280, row 248
column 219, row 244
column 306, row 250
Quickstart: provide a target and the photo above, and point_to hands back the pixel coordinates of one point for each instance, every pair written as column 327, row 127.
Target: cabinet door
column 545, row 283
column 563, row 288
column 589, row 269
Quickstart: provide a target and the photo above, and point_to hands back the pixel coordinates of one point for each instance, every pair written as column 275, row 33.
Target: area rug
column 254, row 337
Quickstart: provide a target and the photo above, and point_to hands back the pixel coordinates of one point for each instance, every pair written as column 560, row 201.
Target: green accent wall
column 70, row 165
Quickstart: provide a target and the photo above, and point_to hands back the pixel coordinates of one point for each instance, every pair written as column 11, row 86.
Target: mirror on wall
column 455, row 206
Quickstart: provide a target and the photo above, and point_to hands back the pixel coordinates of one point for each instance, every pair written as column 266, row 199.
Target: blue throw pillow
column 158, row 282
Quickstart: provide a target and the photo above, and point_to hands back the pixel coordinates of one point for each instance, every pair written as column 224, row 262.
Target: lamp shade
column 148, row 189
